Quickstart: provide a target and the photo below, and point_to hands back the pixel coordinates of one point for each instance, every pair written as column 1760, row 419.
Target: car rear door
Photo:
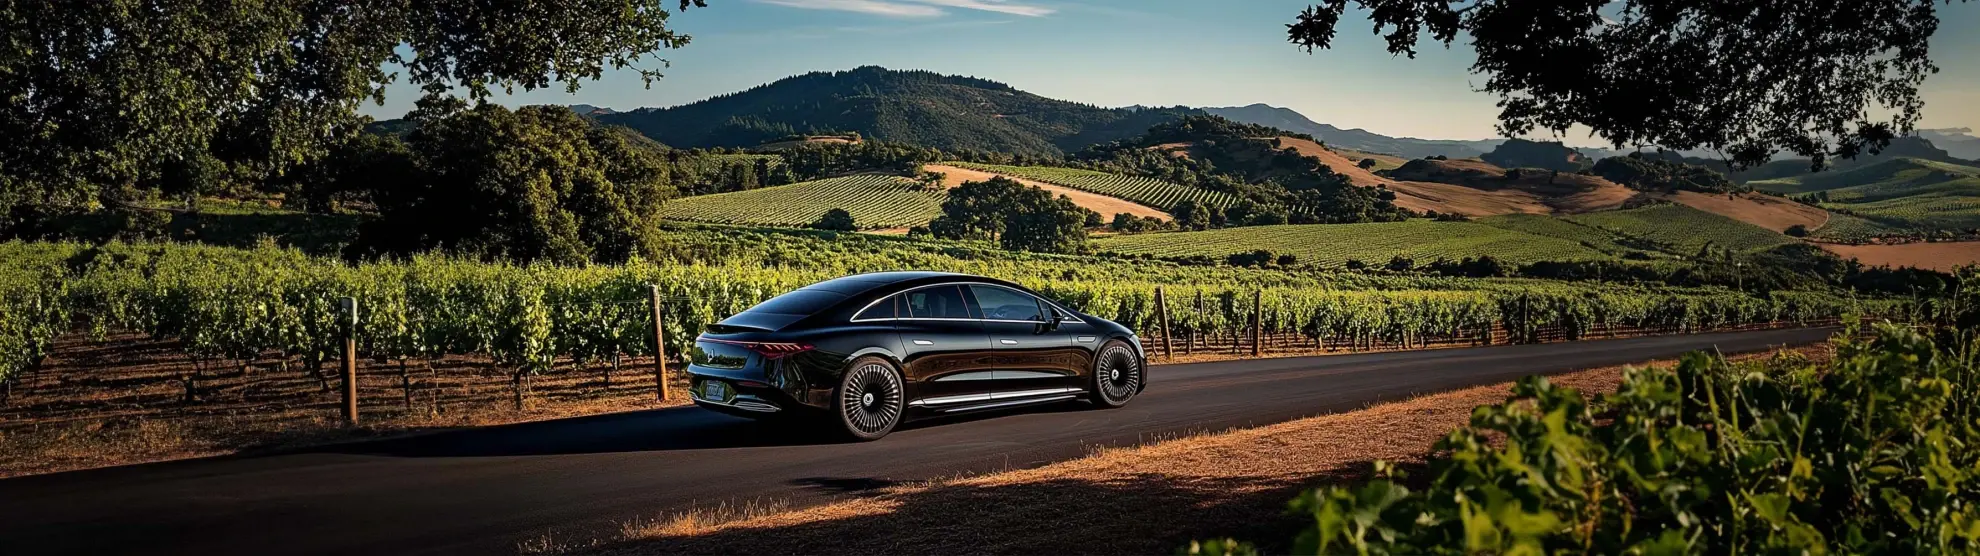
column 1033, row 357
column 947, row 355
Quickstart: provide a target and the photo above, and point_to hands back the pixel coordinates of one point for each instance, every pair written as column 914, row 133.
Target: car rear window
column 940, row 302
column 801, row 302
column 883, row 309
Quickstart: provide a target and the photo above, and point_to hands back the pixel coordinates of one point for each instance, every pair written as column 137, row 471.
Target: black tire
column 1117, row 375
column 870, row 400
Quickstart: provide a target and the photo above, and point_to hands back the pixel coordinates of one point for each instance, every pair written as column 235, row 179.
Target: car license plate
column 715, row 390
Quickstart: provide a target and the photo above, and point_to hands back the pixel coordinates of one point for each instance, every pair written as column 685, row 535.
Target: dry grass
column 1942, row 256
column 1137, row 500
column 1766, row 211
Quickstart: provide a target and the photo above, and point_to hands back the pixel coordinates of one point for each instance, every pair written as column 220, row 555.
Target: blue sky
column 1125, row 52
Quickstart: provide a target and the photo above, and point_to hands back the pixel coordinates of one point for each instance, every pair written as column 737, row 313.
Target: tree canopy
column 1747, row 78
column 539, row 183
column 1019, row 217
column 99, row 96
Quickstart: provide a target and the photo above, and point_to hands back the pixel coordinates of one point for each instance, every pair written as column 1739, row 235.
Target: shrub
column 837, row 220
column 1877, row 451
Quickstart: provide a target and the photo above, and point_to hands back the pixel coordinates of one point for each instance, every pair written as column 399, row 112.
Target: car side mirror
column 1052, row 321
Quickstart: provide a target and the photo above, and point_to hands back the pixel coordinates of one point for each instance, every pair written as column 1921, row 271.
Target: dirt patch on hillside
column 1107, row 206
column 1944, row 256
column 1766, row 211
column 1149, row 499
column 1473, row 187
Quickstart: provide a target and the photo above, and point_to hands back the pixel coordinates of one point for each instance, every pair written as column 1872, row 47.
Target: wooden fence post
column 659, row 341
column 1257, row 320
column 1162, row 310
column 349, row 326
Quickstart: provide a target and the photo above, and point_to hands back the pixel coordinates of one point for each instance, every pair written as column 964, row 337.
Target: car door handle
column 1007, row 342
column 923, row 343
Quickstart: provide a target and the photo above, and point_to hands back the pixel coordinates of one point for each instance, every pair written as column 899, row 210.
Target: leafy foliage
column 1551, row 155
column 539, row 183
column 99, row 95
column 1650, row 173
column 1745, row 77
column 1873, row 452
column 1017, row 216
column 835, row 220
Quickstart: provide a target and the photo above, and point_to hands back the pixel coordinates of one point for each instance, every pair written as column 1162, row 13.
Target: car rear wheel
column 1117, row 375
column 870, row 399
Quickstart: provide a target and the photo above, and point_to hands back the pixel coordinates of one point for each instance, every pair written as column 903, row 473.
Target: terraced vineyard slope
column 1550, row 226
column 1147, row 191
column 1681, row 229
column 1374, row 243
column 1898, row 198
column 875, row 201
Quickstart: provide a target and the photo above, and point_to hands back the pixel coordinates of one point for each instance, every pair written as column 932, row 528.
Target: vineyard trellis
column 235, row 307
column 1147, row 191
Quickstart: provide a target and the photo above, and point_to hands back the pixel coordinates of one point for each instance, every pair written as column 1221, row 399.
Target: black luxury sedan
column 864, row 352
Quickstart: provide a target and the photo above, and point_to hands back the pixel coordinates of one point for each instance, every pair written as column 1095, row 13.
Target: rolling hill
column 875, row 201
column 1682, row 230
column 1357, row 139
column 1900, row 197
column 915, row 107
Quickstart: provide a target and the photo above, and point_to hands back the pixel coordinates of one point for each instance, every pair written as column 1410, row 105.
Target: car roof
column 862, row 283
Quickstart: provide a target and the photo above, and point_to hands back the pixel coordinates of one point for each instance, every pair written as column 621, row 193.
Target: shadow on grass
column 1136, row 514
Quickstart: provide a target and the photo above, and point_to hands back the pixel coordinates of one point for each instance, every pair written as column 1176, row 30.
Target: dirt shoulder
column 1140, row 500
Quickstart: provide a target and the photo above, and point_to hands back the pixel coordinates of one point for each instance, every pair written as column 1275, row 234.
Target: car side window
column 1005, row 304
column 884, row 309
column 940, row 302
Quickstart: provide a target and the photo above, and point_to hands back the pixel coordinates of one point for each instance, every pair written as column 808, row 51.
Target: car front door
column 948, row 357
column 1034, row 358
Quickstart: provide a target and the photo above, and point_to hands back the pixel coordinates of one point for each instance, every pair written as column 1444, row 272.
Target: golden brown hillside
column 953, row 177
column 1766, row 211
column 1473, row 187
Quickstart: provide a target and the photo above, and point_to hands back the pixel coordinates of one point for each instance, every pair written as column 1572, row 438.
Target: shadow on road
column 1147, row 513
column 674, row 428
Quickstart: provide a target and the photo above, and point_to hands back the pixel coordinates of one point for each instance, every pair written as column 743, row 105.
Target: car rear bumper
column 748, row 393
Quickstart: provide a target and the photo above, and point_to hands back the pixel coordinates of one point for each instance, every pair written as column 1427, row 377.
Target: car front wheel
column 1117, row 375
column 870, row 399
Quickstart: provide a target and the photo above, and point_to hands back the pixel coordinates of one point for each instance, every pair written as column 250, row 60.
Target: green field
column 1682, row 230
column 1152, row 192
column 1373, row 243
column 1897, row 197
column 1550, row 226
column 875, row 201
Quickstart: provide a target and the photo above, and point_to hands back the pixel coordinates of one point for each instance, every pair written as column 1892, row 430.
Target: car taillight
column 769, row 350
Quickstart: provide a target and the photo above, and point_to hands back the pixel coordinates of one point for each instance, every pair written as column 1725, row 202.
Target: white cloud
column 914, row 8
column 876, row 7
column 999, row 6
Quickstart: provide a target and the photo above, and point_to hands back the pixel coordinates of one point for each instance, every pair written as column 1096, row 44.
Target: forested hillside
column 922, row 108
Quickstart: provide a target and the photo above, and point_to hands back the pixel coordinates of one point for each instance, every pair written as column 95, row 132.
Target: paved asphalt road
column 480, row 491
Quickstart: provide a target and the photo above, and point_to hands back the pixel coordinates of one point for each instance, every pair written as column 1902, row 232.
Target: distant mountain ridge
column 916, row 107
column 1357, row 139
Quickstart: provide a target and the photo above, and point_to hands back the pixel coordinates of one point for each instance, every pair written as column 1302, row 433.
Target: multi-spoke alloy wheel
column 870, row 399
column 1116, row 375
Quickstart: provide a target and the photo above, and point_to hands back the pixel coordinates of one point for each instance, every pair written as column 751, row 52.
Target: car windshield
column 801, row 302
